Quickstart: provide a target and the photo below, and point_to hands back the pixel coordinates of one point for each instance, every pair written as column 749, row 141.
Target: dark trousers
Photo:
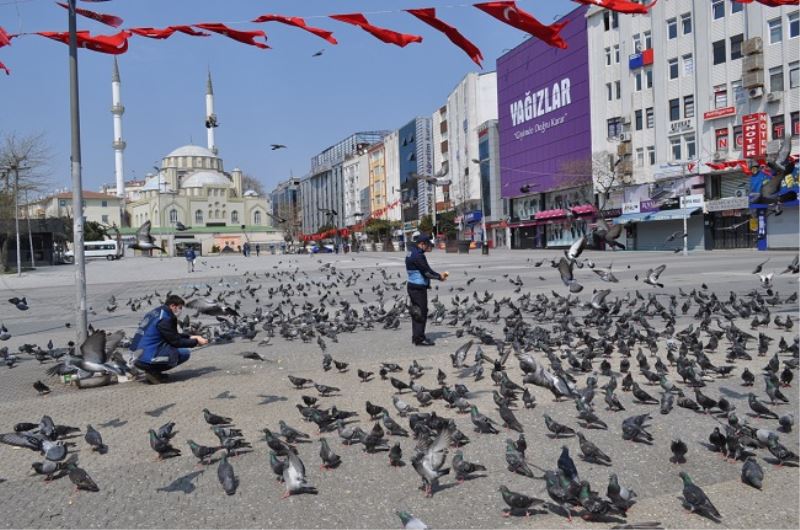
column 419, row 298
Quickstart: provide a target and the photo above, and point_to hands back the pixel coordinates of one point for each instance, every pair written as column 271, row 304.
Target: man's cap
column 423, row 238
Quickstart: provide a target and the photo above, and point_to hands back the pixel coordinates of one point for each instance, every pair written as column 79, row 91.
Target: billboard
column 543, row 112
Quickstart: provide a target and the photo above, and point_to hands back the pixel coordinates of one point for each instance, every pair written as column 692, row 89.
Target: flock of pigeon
column 572, row 348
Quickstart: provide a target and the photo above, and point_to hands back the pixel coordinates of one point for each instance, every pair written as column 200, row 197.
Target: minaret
column 117, row 110
column 211, row 118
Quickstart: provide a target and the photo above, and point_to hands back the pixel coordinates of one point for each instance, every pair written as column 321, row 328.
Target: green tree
column 446, row 222
column 426, row 224
column 378, row 229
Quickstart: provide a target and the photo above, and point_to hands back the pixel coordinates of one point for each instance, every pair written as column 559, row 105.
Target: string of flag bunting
column 505, row 11
column 344, row 232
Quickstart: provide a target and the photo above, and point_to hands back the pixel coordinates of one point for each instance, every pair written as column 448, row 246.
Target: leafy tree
column 446, row 222
column 426, row 224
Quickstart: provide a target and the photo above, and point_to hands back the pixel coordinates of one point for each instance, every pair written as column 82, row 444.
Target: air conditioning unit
column 627, row 178
column 624, row 149
column 773, row 97
column 625, row 137
column 751, row 46
column 626, row 167
column 626, row 120
column 753, row 79
column 719, row 155
column 753, row 62
column 756, row 92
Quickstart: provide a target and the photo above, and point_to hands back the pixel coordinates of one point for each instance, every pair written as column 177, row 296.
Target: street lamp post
column 483, row 206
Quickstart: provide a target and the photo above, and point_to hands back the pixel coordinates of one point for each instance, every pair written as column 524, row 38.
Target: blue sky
column 281, row 95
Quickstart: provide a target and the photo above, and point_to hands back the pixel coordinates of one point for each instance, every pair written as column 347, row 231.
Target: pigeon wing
column 93, row 348
column 565, row 269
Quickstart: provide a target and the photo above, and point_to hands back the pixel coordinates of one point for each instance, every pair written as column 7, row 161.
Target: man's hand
column 201, row 341
column 445, row 274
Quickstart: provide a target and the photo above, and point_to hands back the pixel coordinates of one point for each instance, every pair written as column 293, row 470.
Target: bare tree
column 23, row 163
column 601, row 167
column 249, row 182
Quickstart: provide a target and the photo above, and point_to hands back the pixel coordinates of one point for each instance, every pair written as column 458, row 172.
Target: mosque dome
column 251, row 193
column 152, row 183
column 191, row 150
column 206, row 178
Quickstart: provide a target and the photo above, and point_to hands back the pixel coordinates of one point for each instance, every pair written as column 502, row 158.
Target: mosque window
column 173, row 216
column 234, row 217
column 216, row 214
column 257, row 218
column 198, row 216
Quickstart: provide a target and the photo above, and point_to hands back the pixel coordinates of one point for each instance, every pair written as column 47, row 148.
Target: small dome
column 251, row 193
column 191, row 150
column 153, row 184
column 205, row 178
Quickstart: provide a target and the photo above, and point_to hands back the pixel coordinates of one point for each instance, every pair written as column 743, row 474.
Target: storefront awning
column 631, row 218
column 550, row 214
column 584, row 209
column 667, row 215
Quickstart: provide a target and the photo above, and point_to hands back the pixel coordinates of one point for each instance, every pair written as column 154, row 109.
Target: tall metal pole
column 77, row 186
column 30, row 237
column 16, row 219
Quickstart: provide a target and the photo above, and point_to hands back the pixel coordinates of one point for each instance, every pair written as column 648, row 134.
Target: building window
column 648, row 75
column 104, row 204
column 616, row 54
column 637, row 43
column 648, row 40
column 736, row 46
column 257, row 217
column 775, row 30
column 639, row 157
column 736, row 7
column 736, row 89
column 737, row 136
column 637, row 79
column 614, row 127
column 794, row 24
column 638, row 120
column 216, row 214
column 691, row 147
column 651, row 155
column 104, row 219
column 608, row 56
column 794, row 74
column 234, row 217
column 674, row 109
column 718, row 9
column 672, row 28
column 688, row 65
column 614, row 20
column 778, row 127
column 650, row 117
column 688, row 106
column 618, row 88
column 719, row 51
column 610, row 91
column 675, row 145
column 198, row 217
column 722, row 139
column 795, row 117
column 62, row 203
column 672, row 64
column 686, row 23
column 606, row 20
column 776, row 79
column 173, row 216
column 720, row 97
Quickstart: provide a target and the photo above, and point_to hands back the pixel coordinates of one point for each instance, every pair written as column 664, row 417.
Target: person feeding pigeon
column 162, row 347
column 419, row 281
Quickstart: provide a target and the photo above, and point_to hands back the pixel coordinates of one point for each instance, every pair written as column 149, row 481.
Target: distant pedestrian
column 190, row 257
column 258, row 249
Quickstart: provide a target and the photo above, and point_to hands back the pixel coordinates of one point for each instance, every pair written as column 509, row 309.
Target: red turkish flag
column 386, row 35
column 246, row 37
column 109, row 20
column 508, row 12
column 299, row 23
column 152, row 33
column 771, row 3
column 620, row 6
column 188, row 30
column 5, row 38
column 113, row 44
column 731, row 164
column 428, row 16
column 5, row 68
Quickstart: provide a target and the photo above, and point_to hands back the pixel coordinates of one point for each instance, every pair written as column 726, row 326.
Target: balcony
column 117, row 109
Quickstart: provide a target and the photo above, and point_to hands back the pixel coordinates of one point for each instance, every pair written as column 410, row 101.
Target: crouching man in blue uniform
column 162, row 346
column 419, row 281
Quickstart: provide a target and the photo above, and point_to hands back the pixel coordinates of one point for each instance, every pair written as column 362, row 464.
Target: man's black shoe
column 425, row 342
column 155, row 378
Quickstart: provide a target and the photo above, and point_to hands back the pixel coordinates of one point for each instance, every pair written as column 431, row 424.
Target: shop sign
column 630, row 207
column 692, row 201
column 727, row 203
column 649, row 205
column 681, row 126
column 719, row 113
column 754, row 132
column 611, row 212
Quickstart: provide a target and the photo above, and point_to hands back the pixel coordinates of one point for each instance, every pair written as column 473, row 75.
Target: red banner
column 344, row 232
column 754, row 132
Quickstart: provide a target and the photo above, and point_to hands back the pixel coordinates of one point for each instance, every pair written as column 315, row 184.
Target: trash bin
column 463, row 246
column 485, row 249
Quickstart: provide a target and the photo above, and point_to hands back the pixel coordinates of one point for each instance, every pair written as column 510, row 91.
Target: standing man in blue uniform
column 419, row 281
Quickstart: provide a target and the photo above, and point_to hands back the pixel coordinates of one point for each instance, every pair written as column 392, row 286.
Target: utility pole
column 30, row 237
column 16, row 217
column 81, row 324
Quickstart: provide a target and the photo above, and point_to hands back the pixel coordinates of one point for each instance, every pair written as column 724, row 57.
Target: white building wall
column 355, row 173
column 698, row 81
column 392, row 157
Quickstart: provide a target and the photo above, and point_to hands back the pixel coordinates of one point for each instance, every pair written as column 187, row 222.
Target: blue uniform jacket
column 418, row 270
column 158, row 337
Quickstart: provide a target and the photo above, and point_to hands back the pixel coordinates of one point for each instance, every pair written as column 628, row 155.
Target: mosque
column 192, row 189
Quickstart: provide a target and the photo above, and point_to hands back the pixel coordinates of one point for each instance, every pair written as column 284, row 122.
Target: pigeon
column 591, row 452
column 576, row 249
column 566, row 465
column 652, row 275
column 226, row 476
column 396, row 455
column 19, row 303
column 695, row 500
column 81, row 479
column 213, row 419
column 758, row 268
column 752, row 474
column 622, row 497
column 565, row 270
column 410, row 522
column 294, row 476
column 463, row 468
column 679, row 449
column 162, row 446
column 517, row 501
column 94, row 439
column 202, row 452
column 330, row 460
column 509, row 420
column 144, row 241
column 429, row 461
column 556, row 428
column 275, row 147
column 780, row 452
column 786, row 422
column 364, row 375
column 759, row 408
column 299, row 382
column 482, row 423
column 291, row 435
column 41, row 388
column 402, row 407
column 180, row 227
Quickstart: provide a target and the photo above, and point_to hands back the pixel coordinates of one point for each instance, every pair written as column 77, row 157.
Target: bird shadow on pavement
column 156, row 412
column 184, row 484
column 727, row 392
column 185, row 375
column 266, row 399
column 776, row 462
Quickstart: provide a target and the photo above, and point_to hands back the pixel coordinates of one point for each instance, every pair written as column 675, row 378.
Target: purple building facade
column 544, row 125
